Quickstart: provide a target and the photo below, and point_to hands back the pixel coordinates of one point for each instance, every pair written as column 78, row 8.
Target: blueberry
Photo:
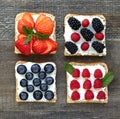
column 43, row 87
column 42, row 75
column 49, row 95
column 23, row 96
column 35, row 68
column 36, row 81
column 49, row 68
column 49, row 80
column 30, row 88
column 29, row 76
column 37, row 95
column 21, row 69
column 23, row 82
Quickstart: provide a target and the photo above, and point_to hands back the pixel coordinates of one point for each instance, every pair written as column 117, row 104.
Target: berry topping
column 89, row 95
column 74, row 23
column 98, row 46
column 99, row 36
column 85, row 23
column 76, row 73
column 21, row 69
column 87, row 34
column 43, row 87
column 97, row 25
column 75, row 95
column 49, row 95
column 49, row 68
column 35, row 68
column 29, row 76
column 101, row 95
column 71, row 47
column 49, row 80
column 23, row 96
column 85, row 73
column 75, row 37
column 23, row 82
column 30, row 88
column 87, row 84
column 37, row 95
column 42, row 75
column 36, row 81
column 74, row 84
column 98, row 83
column 98, row 73
column 85, row 46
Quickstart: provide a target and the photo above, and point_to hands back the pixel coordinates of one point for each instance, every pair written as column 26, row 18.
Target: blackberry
column 74, row 23
column 98, row 46
column 87, row 34
column 97, row 25
column 71, row 47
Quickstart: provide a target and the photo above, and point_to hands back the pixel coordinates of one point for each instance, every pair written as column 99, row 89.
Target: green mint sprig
column 69, row 68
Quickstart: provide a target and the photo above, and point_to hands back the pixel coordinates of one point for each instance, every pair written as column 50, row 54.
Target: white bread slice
column 91, row 67
column 19, row 88
column 34, row 15
column 68, row 31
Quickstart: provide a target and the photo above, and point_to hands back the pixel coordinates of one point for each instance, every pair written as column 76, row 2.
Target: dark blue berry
column 43, row 87
column 30, row 88
column 49, row 80
column 36, row 81
column 29, row 76
column 49, row 68
column 35, row 68
column 42, row 75
column 37, row 95
column 23, row 96
column 49, row 95
column 21, row 69
column 23, row 82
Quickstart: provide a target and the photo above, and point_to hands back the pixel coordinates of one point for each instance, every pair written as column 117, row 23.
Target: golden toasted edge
column 48, row 101
column 19, row 16
column 88, row 101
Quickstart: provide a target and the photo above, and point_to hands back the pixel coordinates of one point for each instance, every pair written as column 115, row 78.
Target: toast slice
column 35, row 82
column 84, row 35
column 80, row 90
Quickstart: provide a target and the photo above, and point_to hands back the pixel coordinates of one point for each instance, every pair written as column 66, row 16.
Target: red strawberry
column 98, row 83
column 75, row 95
column 76, row 73
column 84, row 46
column 21, row 46
column 75, row 37
column 74, row 84
column 101, row 95
column 85, row 23
column 89, row 95
column 98, row 73
column 99, row 36
column 85, row 73
column 87, row 84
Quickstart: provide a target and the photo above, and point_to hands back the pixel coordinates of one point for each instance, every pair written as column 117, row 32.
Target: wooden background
column 9, row 109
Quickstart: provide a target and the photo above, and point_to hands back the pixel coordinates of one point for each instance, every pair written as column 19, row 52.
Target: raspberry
column 87, row 84
column 84, row 46
column 101, row 95
column 76, row 73
column 75, row 95
column 85, row 73
column 98, row 73
column 74, row 84
column 89, row 95
column 97, row 83
column 75, row 37
column 85, row 23
column 99, row 36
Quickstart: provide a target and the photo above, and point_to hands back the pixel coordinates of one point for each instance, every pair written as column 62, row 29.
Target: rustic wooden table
column 9, row 109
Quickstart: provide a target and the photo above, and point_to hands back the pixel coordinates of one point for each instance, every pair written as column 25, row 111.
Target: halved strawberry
column 21, row 46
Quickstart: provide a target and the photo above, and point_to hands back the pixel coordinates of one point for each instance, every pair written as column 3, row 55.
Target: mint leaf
column 28, row 39
column 107, row 79
column 25, row 30
column 68, row 67
column 41, row 36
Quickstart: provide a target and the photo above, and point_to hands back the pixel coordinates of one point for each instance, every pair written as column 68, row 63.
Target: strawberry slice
column 21, row 46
